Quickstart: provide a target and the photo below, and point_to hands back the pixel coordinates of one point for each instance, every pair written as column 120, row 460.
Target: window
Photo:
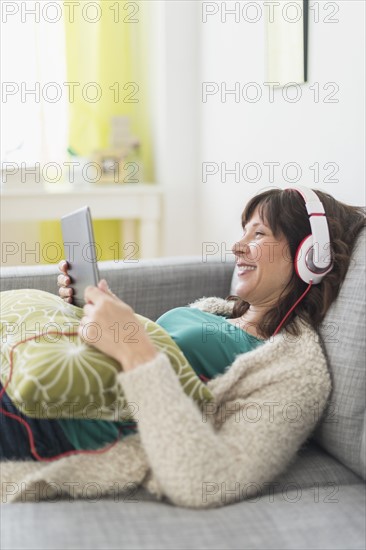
column 34, row 96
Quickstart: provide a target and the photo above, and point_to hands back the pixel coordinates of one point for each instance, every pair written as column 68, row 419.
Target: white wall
column 175, row 108
column 304, row 132
column 187, row 52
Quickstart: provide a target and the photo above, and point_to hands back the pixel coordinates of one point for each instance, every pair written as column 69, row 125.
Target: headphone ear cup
column 303, row 257
column 301, row 268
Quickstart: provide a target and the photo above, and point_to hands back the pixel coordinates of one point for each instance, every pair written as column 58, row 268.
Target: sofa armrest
column 151, row 287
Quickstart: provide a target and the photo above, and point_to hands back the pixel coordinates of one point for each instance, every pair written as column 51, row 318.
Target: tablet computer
column 80, row 252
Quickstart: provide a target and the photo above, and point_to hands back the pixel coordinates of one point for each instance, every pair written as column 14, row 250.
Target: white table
column 126, row 202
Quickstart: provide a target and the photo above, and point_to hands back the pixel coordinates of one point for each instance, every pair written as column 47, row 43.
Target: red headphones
column 313, row 256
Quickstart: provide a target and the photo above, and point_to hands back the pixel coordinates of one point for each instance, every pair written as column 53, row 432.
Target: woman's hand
column 63, row 281
column 110, row 325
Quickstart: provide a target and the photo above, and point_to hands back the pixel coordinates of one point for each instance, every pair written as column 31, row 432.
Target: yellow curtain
column 106, row 55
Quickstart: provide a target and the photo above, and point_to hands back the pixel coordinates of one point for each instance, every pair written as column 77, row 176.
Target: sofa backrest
column 151, row 287
column 342, row 429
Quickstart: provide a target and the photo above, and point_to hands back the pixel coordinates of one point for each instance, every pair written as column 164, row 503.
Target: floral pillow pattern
column 57, row 375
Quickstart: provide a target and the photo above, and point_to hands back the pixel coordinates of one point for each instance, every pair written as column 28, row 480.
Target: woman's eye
column 256, row 233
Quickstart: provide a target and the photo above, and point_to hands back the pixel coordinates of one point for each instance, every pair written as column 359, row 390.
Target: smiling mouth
column 244, row 270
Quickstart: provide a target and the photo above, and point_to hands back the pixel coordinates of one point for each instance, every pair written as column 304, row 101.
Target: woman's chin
column 241, row 292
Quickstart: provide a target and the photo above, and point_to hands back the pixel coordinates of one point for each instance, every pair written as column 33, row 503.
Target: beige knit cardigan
column 266, row 405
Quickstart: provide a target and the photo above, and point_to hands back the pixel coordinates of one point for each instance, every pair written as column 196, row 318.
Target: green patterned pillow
column 57, row 375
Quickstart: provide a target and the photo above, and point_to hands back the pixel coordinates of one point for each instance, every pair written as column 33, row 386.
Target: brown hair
column 285, row 213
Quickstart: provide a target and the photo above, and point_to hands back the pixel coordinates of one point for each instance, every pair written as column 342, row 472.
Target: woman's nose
column 240, row 247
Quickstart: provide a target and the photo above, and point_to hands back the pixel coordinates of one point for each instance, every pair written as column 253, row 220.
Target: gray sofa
column 319, row 502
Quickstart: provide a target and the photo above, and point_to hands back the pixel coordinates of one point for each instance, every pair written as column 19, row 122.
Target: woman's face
column 270, row 263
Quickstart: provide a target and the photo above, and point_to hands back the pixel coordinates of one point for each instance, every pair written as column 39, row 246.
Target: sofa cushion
column 291, row 519
column 342, row 429
column 56, row 375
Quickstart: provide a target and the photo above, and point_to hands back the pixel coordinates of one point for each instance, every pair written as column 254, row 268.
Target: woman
column 267, row 401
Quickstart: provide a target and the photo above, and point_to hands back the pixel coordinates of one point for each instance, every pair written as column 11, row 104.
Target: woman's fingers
column 102, row 315
column 93, row 295
column 63, row 266
column 88, row 330
column 88, row 310
column 83, row 320
column 103, row 285
column 63, row 280
column 65, row 292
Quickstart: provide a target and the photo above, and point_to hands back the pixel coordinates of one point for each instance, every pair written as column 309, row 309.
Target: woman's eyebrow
column 254, row 224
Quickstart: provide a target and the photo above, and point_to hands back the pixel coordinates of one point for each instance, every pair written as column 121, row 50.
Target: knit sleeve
column 214, row 304
column 201, row 464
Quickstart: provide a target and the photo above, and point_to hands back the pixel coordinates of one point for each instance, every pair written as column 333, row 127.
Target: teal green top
column 210, row 344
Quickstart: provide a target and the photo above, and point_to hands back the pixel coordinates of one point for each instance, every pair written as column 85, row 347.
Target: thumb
column 103, row 285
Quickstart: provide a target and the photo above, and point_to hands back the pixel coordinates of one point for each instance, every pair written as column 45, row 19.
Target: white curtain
column 33, row 73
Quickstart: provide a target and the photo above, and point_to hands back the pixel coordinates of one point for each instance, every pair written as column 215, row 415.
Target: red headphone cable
column 292, row 308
